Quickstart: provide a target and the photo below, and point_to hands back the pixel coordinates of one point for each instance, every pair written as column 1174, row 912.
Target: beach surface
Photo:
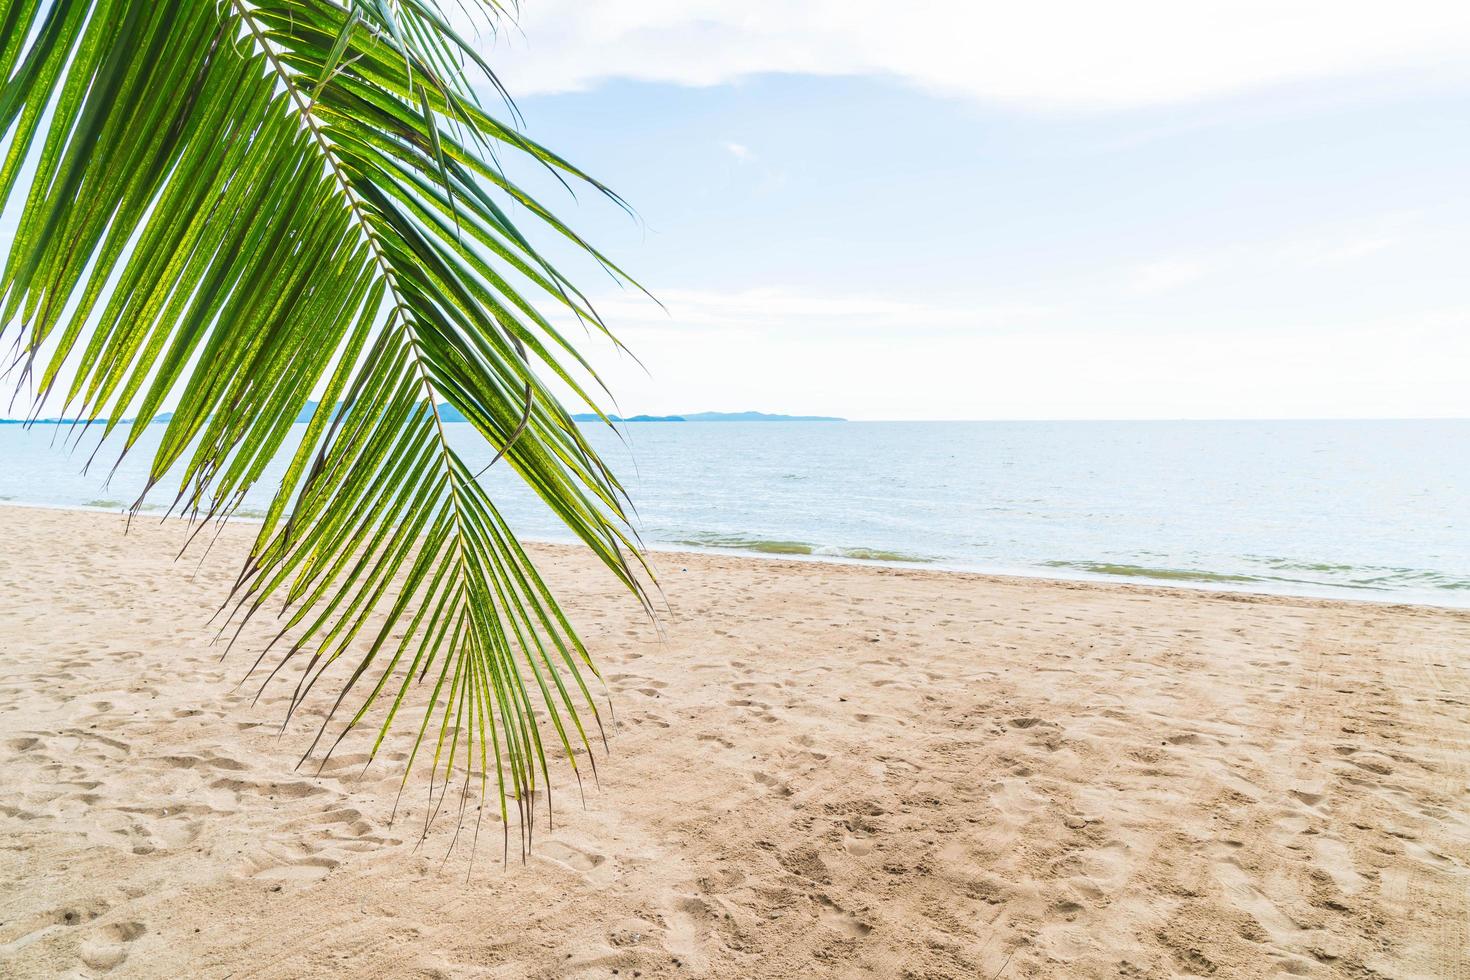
column 816, row 770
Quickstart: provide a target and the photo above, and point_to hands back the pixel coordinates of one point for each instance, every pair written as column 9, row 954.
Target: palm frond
column 234, row 205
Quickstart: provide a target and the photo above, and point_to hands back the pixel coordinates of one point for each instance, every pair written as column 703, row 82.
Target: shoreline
column 1055, row 576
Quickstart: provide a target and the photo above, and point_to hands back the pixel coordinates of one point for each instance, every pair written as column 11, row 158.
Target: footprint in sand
column 303, row 869
column 773, row 784
column 346, row 764
column 687, row 930
column 837, row 918
column 1241, row 892
column 1335, row 860
column 108, row 947
column 723, row 743
column 571, row 857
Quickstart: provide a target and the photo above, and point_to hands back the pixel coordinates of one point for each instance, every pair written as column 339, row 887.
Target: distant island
column 448, row 413
column 714, row 417
column 304, row 415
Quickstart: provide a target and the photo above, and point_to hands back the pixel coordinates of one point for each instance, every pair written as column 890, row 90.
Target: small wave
column 762, row 545
column 1143, row 571
column 879, row 554
column 1369, row 576
column 1311, row 574
column 1287, row 565
column 768, row 546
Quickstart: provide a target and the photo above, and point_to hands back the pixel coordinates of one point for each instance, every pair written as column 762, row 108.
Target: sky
column 1053, row 210
column 944, row 210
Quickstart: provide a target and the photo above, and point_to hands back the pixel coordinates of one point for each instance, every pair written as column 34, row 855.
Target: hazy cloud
column 1332, row 251
column 1048, row 53
column 813, row 314
column 776, row 350
column 1165, row 274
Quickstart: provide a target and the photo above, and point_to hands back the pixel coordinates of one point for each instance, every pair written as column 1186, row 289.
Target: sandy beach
column 817, row 770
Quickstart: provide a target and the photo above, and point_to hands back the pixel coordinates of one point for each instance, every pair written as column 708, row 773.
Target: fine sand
column 818, row 770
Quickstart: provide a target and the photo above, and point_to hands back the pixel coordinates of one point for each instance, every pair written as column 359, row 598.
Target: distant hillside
column 715, row 417
column 758, row 417
column 449, row 413
column 589, row 417
column 46, row 421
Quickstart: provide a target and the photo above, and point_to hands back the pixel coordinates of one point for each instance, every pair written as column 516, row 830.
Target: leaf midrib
column 381, row 260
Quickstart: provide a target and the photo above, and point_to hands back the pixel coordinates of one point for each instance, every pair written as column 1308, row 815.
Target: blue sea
column 1357, row 509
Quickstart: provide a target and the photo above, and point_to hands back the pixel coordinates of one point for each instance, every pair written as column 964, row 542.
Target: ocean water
column 1365, row 509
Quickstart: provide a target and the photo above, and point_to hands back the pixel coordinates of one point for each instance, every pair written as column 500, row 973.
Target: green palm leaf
column 233, row 204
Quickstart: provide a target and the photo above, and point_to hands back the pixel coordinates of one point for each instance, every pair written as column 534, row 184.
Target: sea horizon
column 640, row 419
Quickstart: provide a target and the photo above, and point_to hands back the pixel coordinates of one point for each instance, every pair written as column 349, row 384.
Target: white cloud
column 1321, row 250
column 739, row 151
column 1165, row 274
column 1045, row 53
column 1333, row 251
column 784, row 309
column 783, row 351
